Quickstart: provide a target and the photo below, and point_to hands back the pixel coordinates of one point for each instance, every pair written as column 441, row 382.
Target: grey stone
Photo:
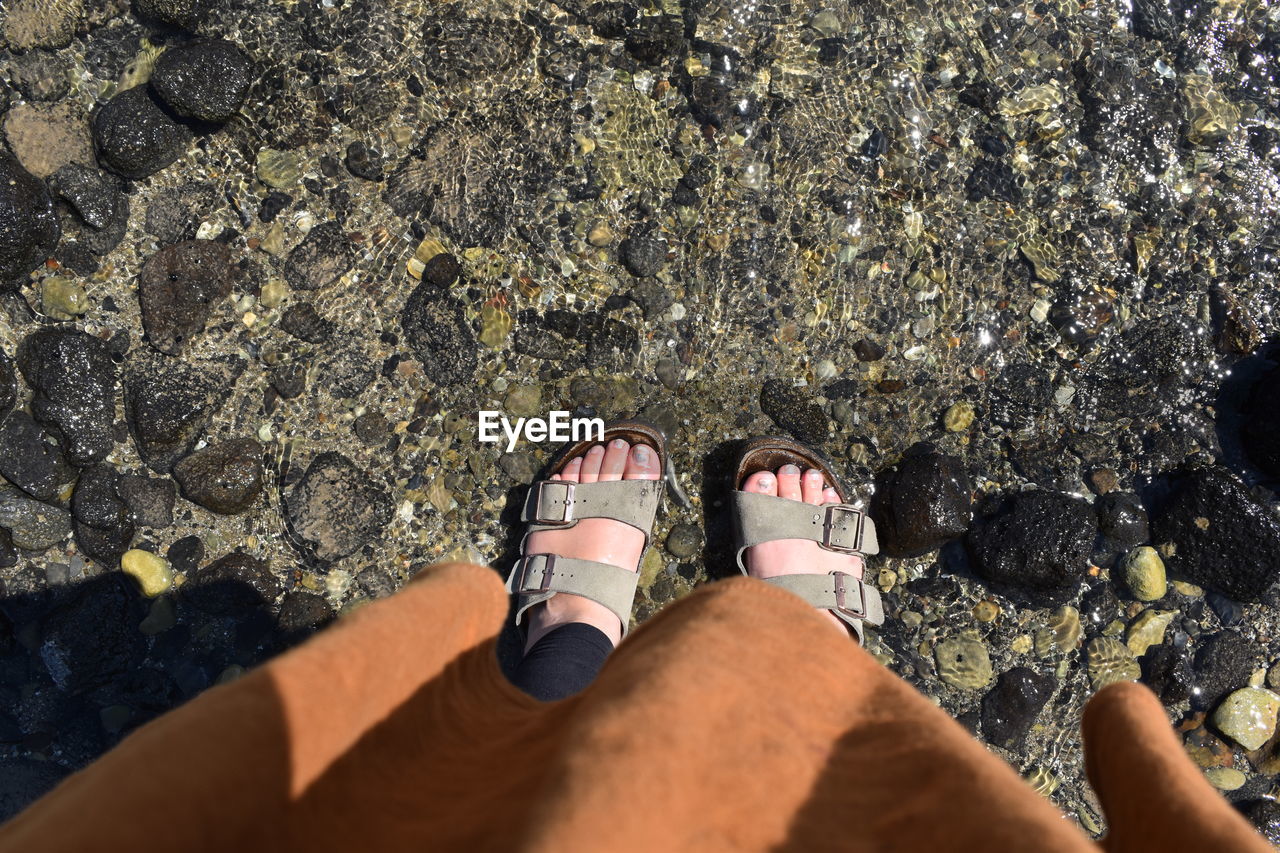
column 336, row 508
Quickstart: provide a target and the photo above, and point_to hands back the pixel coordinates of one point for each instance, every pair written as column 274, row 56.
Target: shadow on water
column 83, row 664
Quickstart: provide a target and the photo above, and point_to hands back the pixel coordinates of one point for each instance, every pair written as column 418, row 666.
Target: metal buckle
column 548, row 569
column 566, row 502
column 830, row 525
column 861, row 612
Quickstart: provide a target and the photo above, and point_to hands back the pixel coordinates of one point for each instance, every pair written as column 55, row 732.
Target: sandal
column 559, row 505
column 842, row 527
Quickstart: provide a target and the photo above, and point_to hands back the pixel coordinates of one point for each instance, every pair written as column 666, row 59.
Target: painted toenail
column 789, row 470
column 619, row 443
column 597, row 450
column 765, row 481
column 642, row 455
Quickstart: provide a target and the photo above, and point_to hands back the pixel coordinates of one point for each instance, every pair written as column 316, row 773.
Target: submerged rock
column 178, row 288
column 305, row 323
column 794, row 411
column 207, row 80
column 644, row 253
column 235, row 584
column 1122, row 520
column 74, row 380
column 1011, row 706
column 1144, row 574
column 336, row 508
column 1039, row 542
column 1110, row 661
column 32, row 525
column 1248, row 716
column 103, row 526
column 1223, row 663
column 437, row 333
column 93, row 639
column 1215, row 534
column 94, row 195
column 226, row 478
column 921, row 503
column 963, row 662
column 29, row 227
column 168, row 404
column 135, row 137
column 323, row 256
column 31, row 459
column 1167, row 671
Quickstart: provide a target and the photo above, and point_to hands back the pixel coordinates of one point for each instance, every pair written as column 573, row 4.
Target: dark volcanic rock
column 1261, row 430
column 1011, row 706
column 1213, row 533
column 185, row 554
column 236, row 584
column 74, row 380
column 653, row 39
column 168, row 404
column 305, row 323
column 28, row 225
column 1122, row 520
column 442, row 270
column 1019, row 395
column 320, row 259
column 1223, row 663
column 1167, row 671
column 175, row 214
column 794, row 411
column 289, row 380
column 94, row 638
column 206, row 80
column 436, row 331
column 336, row 508
column 921, row 503
column 346, row 371
column 1039, row 543
column 8, row 385
column 31, row 459
column 185, row 14
column 363, row 161
column 94, row 195
column 40, row 75
column 992, row 178
column 178, row 288
column 226, row 478
column 303, row 613
column 150, row 499
column 101, row 519
column 135, row 137
column 460, row 48
column 644, row 253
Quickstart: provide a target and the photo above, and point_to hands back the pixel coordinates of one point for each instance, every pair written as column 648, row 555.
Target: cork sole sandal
column 842, row 528
column 560, row 505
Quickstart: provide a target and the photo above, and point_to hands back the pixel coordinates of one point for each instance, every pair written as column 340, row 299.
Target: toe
column 591, row 465
column 761, row 482
column 615, row 460
column 572, row 471
column 642, row 464
column 830, row 496
column 811, row 486
column 789, row 483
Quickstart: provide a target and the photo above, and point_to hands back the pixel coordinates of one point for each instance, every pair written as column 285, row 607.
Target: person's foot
column 797, row 556
column 600, row 539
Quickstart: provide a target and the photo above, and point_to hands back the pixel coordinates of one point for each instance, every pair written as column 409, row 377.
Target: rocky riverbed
column 1011, row 265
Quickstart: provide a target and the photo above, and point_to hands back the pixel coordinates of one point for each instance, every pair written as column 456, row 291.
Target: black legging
column 562, row 662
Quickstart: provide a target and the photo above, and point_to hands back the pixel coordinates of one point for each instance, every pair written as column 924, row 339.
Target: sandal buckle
column 548, row 570
column 841, row 590
column 552, row 502
column 835, row 529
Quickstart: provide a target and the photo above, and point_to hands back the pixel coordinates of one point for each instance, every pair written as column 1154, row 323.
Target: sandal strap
column 760, row 518
column 556, row 504
column 537, row 577
column 850, row 599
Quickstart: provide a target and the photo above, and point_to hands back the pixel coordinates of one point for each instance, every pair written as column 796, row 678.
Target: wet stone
column 150, row 571
column 684, row 540
column 1062, row 634
column 38, row 23
column 372, row 429
column 207, row 80
column 346, row 371
column 1110, row 661
column 305, row 323
column 74, row 380
column 921, row 503
column 654, row 39
column 149, row 499
column 303, row 613
column 438, row 336
column 1223, row 662
column 323, row 256
column 135, row 137
column 96, row 502
column 336, row 508
column 1144, row 574
column 363, row 162
column 8, row 384
column 794, row 411
column 1039, row 543
column 185, row 14
column 32, row 525
column 643, row 253
column 168, row 404
column 1215, row 534
column 175, row 214
column 963, row 662
column 40, row 76
column 1154, row 19
column 1011, row 706
column 1248, row 716
column 225, row 478
column 237, row 584
column 992, row 179
column 31, row 459
column 178, row 288
column 28, row 225
column 442, row 270
column 1147, row 630
column 1122, row 520
column 186, row 554
column 1167, row 671
column 289, row 380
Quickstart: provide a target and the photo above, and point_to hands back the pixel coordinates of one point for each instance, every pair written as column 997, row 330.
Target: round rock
column 335, row 508
column 1011, row 706
column 225, row 478
column 29, row 227
column 135, row 137
column 74, row 380
column 1040, row 542
column 31, row 459
column 684, row 540
column 644, row 253
column 1144, row 574
column 207, row 80
column 1248, row 716
column 921, row 503
column 963, row 662
column 178, row 289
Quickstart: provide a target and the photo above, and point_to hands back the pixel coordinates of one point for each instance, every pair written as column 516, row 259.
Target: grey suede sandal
column 841, row 527
column 558, row 505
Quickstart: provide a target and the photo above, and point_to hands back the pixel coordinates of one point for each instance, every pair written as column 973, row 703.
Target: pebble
column 94, row 194
column 523, row 401
column 28, row 224
column 1010, row 708
column 986, row 611
column 684, row 540
column 205, row 80
column 1148, row 630
column 643, row 253
column 336, row 508
column 1225, row 778
column 74, row 379
column 1144, row 574
column 1110, row 661
column 305, row 323
column 280, row 170
column 226, row 477
column 274, row 293
column 178, row 288
column 1223, row 662
column 150, row 571
column 31, row 459
column 600, row 235
column 135, row 137
column 1040, row 543
column 363, row 161
column 1248, row 716
column 963, row 662
column 150, row 499
column 32, row 525
column 1122, row 520
column 320, row 259
column 921, row 503
column 160, row 617
column 794, row 411
column 958, row 417
column 168, row 404
column 1166, row 669
column 1062, row 634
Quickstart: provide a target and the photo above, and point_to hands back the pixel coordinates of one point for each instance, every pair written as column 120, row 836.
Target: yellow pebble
column 150, row 571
